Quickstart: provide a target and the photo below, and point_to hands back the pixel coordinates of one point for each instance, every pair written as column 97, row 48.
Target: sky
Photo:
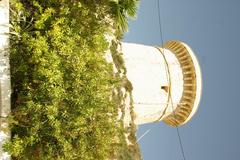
column 212, row 29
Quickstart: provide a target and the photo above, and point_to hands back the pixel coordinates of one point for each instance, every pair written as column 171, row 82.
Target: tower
column 5, row 89
column 166, row 82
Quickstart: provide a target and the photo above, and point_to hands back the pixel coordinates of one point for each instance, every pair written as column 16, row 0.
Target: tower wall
column 150, row 70
column 5, row 90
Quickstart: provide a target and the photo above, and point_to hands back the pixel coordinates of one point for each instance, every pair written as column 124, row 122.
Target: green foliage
column 62, row 85
column 122, row 9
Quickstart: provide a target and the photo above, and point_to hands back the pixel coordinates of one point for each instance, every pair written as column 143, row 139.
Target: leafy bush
column 62, row 85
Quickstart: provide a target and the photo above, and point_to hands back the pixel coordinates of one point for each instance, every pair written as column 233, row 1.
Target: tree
column 123, row 9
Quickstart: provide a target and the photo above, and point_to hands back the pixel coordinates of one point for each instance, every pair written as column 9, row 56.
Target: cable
column 181, row 145
column 160, row 22
column 145, row 133
column 169, row 79
column 170, row 98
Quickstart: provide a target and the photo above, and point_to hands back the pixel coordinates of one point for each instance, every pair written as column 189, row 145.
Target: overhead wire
column 169, row 79
column 171, row 102
column 145, row 133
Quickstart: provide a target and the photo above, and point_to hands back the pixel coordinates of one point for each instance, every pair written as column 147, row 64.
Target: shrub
column 62, row 85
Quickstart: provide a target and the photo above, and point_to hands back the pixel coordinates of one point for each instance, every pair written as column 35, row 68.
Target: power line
column 181, row 145
column 145, row 133
column 170, row 96
column 171, row 102
column 160, row 22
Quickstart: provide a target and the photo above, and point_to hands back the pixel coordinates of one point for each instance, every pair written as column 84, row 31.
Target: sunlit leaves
column 61, row 83
column 122, row 10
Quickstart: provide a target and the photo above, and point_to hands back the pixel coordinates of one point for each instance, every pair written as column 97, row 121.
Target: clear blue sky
column 212, row 29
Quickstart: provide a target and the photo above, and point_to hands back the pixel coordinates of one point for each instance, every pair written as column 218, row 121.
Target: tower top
column 192, row 83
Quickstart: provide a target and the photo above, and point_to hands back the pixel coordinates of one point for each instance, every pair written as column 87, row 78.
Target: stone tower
column 166, row 82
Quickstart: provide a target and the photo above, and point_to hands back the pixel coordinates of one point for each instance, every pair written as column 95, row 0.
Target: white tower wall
column 147, row 70
column 166, row 82
column 5, row 90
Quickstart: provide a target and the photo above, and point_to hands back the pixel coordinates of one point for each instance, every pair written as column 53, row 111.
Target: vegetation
column 126, row 151
column 63, row 106
column 122, row 9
